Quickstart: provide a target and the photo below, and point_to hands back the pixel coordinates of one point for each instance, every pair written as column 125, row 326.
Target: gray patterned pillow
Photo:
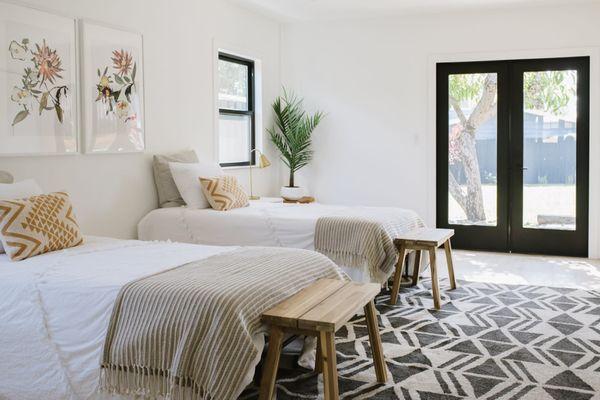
column 168, row 195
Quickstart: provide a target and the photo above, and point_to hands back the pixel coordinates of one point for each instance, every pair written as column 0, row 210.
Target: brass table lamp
column 262, row 162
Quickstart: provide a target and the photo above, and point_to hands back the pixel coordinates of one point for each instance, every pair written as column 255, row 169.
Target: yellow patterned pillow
column 37, row 225
column 224, row 192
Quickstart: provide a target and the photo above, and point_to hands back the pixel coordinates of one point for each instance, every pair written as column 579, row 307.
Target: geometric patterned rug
column 488, row 341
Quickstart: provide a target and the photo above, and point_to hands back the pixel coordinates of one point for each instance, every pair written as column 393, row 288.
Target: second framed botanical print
column 38, row 82
column 112, row 89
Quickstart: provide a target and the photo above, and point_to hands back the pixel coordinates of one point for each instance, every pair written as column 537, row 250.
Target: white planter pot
column 292, row 193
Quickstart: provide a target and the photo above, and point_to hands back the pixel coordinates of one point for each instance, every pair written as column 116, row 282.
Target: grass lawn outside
column 554, row 201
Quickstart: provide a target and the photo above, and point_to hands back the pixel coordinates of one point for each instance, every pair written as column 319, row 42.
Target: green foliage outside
column 548, row 91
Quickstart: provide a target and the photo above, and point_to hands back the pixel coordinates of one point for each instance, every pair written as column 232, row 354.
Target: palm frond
column 293, row 130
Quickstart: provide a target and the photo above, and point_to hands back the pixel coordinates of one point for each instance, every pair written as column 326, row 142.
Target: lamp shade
column 263, row 161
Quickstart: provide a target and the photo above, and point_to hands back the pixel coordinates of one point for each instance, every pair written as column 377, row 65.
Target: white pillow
column 18, row 190
column 187, row 179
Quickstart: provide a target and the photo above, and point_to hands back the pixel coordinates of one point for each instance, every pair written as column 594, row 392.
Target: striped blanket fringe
column 140, row 381
column 358, row 261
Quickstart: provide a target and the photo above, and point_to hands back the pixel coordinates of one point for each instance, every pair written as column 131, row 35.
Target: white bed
column 55, row 308
column 262, row 223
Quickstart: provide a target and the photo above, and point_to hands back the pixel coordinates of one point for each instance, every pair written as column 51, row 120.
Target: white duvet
column 54, row 312
column 260, row 224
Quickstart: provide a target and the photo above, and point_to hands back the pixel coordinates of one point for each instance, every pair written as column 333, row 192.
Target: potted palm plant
column 292, row 137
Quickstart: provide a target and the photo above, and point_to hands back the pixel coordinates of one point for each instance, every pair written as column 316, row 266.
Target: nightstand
column 269, row 200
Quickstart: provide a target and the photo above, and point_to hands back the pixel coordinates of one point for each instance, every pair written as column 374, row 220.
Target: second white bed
column 262, row 223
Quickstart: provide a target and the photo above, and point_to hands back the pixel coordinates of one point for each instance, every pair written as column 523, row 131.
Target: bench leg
column 448, row 249
column 398, row 275
column 319, row 357
column 416, row 268
column 435, row 286
column 375, row 340
column 269, row 373
column 330, row 375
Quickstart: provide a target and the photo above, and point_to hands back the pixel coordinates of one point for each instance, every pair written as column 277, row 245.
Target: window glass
column 234, row 138
column 233, row 86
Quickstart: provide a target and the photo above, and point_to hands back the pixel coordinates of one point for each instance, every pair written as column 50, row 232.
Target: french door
column 513, row 154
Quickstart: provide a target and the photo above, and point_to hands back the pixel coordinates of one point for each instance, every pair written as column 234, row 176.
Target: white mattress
column 54, row 312
column 260, row 224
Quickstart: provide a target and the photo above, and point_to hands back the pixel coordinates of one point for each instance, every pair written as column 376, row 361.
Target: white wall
column 376, row 80
column 112, row 192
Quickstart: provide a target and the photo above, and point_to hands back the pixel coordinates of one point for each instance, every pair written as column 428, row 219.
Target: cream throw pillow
column 186, row 178
column 37, row 225
column 224, row 193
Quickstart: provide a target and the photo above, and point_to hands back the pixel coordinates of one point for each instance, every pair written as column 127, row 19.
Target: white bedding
column 260, row 224
column 54, row 312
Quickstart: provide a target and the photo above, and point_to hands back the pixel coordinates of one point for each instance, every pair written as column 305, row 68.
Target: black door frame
column 550, row 241
column 504, row 237
column 473, row 237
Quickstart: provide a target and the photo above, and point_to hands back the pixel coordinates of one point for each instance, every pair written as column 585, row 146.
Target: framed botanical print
column 38, row 82
column 112, row 89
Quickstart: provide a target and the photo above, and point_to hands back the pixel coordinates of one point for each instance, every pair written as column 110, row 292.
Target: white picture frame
column 112, row 87
column 38, row 82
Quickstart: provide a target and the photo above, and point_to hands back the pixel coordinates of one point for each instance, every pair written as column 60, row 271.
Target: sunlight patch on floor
column 521, row 269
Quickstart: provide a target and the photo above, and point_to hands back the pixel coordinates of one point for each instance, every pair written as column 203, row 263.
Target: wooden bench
column 320, row 310
column 424, row 239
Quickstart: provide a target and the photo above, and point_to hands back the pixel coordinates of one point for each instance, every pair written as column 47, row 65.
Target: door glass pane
column 472, row 149
column 233, row 86
column 234, row 138
column 549, row 149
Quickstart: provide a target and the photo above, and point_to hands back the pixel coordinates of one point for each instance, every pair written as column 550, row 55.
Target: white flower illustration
column 17, row 51
column 21, row 96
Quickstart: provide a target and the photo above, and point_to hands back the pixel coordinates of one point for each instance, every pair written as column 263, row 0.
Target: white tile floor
column 522, row 269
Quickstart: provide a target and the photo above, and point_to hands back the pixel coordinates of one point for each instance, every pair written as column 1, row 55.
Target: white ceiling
column 309, row 10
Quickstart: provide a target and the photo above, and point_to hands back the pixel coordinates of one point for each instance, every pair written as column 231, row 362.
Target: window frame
column 250, row 112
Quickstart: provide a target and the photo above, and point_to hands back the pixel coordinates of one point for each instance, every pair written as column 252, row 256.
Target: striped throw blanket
column 190, row 332
column 365, row 236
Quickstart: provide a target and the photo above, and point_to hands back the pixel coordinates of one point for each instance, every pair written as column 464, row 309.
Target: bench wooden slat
column 426, row 236
column 337, row 309
column 287, row 312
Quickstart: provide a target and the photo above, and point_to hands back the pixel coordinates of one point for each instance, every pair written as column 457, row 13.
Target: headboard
column 5, row 177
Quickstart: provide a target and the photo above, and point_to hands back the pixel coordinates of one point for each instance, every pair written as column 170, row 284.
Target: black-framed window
column 236, row 111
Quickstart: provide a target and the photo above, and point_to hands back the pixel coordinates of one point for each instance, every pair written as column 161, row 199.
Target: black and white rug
column 489, row 341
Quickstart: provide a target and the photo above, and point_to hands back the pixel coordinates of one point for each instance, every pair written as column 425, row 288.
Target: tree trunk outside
column 472, row 201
